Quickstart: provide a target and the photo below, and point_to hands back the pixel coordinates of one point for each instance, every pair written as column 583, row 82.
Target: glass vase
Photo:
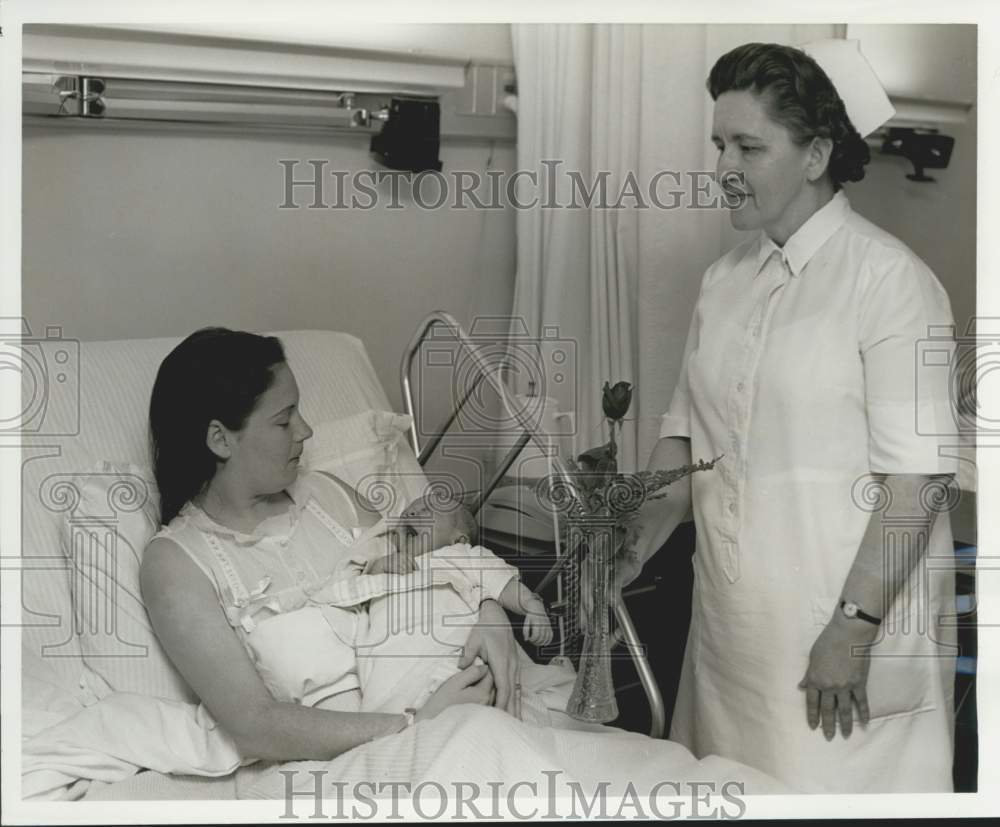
column 593, row 698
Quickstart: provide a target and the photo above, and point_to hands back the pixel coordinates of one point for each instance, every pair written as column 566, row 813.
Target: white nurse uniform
column 801, row 369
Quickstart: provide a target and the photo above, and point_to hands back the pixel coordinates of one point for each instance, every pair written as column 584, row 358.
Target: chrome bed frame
column 626, row 633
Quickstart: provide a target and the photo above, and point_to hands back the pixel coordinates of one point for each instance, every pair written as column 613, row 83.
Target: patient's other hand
column 473, row 685
column 492, row 640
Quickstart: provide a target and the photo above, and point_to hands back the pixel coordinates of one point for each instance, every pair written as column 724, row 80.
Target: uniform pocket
column 903, row 666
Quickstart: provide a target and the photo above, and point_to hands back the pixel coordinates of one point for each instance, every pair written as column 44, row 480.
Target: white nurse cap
column 866, row 102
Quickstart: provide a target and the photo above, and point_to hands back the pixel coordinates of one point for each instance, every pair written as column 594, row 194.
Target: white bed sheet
column 105, row 752
column 483, row 746
column 472, row 745
column 157, row 786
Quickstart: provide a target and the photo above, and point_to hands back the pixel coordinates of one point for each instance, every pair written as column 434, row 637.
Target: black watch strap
column 854, row 610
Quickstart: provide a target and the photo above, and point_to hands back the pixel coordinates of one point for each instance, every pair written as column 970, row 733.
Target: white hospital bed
column 99, row 412
column 86, row 640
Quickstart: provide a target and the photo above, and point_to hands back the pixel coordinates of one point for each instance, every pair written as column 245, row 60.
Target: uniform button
column 732, row 508
column 740, row 387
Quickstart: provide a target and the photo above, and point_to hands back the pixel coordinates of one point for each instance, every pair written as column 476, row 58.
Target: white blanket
column 123, row 733
column 118, row 736
column 477, row 748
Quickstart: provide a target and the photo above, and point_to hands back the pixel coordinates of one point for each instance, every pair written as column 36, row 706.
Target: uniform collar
column 808, row 238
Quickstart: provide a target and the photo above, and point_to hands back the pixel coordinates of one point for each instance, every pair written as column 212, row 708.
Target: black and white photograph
column 498, row 411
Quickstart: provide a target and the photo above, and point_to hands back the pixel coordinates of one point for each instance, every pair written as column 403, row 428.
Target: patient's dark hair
column 800, row 96
column 214, row 373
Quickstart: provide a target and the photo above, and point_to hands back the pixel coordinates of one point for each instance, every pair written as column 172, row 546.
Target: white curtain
column 619, row 284
column 577, row 267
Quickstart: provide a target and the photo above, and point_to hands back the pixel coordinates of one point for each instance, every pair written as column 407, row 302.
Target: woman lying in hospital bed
column 238, row 586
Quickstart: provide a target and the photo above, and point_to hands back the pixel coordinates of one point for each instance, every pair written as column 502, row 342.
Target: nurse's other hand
column 627, row 568
column 628, row 562
column 836, row 677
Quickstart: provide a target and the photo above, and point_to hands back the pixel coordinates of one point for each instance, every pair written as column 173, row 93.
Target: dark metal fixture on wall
column 924, row 148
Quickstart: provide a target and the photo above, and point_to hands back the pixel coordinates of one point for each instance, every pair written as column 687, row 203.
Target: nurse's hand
column 631, row 558
column 493, row 640
column 627, row 567
column 836, row 678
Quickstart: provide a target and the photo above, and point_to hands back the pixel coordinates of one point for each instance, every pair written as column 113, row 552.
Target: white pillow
column 104, row 534
column 369, row 451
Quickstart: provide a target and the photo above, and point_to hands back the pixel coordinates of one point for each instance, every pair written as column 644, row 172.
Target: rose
column 616, row 400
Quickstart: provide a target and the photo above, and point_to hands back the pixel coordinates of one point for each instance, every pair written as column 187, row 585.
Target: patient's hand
column 473, row 685
column 492, row 640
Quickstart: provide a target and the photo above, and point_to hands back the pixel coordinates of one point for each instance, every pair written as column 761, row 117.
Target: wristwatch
column 853, row 610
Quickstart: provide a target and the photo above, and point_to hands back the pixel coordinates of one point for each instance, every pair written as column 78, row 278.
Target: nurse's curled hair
column 214, row 373
column 800, row 96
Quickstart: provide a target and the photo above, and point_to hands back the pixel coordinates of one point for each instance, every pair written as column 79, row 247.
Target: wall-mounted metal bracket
column 81, row 96
column 924, row 148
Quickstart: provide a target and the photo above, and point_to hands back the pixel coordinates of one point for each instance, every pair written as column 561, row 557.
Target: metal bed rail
column 483, row 372
column 626, row 628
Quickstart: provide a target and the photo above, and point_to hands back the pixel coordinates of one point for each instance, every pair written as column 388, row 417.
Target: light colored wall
column 483, row 42
column 132, row 233
column 921, row 60
column 137, row 234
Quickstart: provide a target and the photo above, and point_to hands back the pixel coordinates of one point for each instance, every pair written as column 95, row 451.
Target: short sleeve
column 677, row 420
column 906, row 340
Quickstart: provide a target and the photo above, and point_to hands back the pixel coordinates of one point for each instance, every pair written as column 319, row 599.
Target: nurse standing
column 819, row 649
